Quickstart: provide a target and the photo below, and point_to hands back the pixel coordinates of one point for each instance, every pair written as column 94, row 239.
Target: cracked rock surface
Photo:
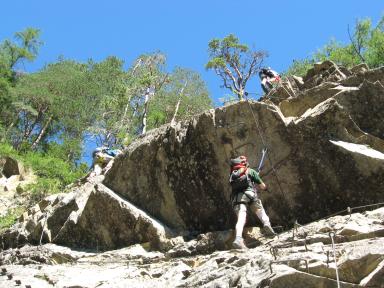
column 301, row 257
column 162, row 214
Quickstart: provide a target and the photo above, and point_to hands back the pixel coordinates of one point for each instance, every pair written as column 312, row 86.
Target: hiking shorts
column 246, row 197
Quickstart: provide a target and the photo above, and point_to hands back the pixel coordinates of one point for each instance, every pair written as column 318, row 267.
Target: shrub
column 53, row 173
column 11, row 217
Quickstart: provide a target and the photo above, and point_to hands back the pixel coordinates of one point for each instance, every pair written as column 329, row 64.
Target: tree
column 26, row 47
column 113, row 118
column 52, row 110
column 144, row 97
column 191, row 93
column 184, row 95
column 300, row 67
column 234, row 62
column 149, row 71
column 366, row 46
column 59, row 101
column 375, row 52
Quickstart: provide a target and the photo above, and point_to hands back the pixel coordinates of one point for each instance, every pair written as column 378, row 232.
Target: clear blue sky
column 96, row 29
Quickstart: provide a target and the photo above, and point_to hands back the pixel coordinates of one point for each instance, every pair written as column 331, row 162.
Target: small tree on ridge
column 234, row 63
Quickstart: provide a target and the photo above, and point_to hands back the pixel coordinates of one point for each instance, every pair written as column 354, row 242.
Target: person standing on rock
column 102, row 160
column 267, row 76
column 244, row 182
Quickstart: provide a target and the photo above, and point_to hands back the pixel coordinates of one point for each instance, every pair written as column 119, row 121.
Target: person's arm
column 257, row 180
column 262, row 186
column 108, row 157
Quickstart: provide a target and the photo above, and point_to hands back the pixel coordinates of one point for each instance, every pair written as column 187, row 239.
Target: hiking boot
column 268, row 231
column 239, row 243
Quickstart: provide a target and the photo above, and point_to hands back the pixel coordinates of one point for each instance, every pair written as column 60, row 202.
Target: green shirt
column 254, row 176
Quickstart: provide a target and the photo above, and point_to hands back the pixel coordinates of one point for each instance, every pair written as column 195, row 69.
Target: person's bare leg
column 106, row 168
column 97, row 169
column 241, row 213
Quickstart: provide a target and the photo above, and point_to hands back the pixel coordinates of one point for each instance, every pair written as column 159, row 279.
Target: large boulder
column 11, row 166
column 14, row 180
column 91, row 216
column 323, row 156
column 324, row 71
column 172, row 173
column 179, row 174
column 363, row 100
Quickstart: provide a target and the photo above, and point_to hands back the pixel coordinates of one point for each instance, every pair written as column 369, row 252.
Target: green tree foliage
column 150, row 75
column 366, row 46
column 10, row 218
column 112, row 120
column 184, row 95
column 374, row 53
column 26, row 47
column 53, row 173
column 60, row 101
column 12, row 53
column 52, row 110
column 234, row 63
column 145, row 97
column 46, row 115
column 300, row 67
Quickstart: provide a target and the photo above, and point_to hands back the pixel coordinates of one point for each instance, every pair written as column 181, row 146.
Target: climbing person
column 267, row 76
column 102, row 157
column 245, row 181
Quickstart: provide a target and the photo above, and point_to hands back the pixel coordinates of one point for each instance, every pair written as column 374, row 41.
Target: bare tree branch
column 356, row 46
column 42, row 133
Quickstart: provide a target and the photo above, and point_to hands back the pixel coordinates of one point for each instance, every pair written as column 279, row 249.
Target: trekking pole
column 264, row 152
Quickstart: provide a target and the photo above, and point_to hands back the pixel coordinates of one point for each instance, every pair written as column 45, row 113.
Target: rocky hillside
column 302, row 258
column 168, row 196
column 14, row 178
column 324, row 136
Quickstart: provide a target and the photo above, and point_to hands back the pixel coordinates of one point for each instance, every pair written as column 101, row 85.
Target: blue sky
column 96, row 29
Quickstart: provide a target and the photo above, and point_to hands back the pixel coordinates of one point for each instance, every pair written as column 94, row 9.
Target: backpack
column 269, row 73
column 112, row 152
column 239, row 178
column 108, row 151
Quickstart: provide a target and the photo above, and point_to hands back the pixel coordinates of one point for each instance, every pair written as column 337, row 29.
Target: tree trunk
column 123, row 121
column 29, row 129
column 173, row 121
column 41, row 133
column 240, row 93
column 7, row 131
column 145, row 112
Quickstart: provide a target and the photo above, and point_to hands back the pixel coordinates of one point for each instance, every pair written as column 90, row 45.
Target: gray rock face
column 169, row 192
column 325, row 71
column 182, row 159
column 11, row 167
column 325, row 145
column 14, row 179
column 299, row 258
column 91, row 216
